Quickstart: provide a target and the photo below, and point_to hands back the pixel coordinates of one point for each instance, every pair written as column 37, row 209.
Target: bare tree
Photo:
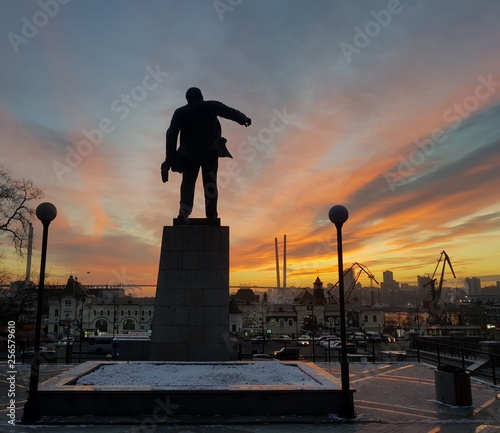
column 15, row 212
column 17, row 302
column 5, row 276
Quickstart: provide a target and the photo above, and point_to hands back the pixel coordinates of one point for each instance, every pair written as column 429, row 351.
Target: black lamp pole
column 68, row 320
column 45, row 212
column 338, row 215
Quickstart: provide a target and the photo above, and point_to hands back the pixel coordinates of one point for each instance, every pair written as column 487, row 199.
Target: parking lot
column 320, row 349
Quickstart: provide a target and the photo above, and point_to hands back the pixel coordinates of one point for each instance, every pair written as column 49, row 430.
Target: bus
column 100, row 343
column 104, row 343
column 131, row 347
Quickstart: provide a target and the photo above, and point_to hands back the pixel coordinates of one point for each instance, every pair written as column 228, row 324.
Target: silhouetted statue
column 200, row 145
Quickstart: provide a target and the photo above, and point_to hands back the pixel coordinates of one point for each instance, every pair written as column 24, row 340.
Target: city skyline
column 390, row 109
column 149, row 290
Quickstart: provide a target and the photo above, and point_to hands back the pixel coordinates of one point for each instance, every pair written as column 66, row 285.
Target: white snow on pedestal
column 196, row 375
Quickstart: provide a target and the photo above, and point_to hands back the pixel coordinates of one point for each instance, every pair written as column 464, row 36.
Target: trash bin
column 453, row 386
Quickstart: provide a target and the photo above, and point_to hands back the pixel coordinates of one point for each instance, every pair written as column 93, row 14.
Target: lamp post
column 263, row 327
column 313, row 318
column 114, row 351
column 69, row 321
column 45, row 212
column 338, row 215
column 83, row 300
column 418, row 319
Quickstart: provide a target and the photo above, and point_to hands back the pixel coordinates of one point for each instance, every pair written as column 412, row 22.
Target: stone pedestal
column 191, row 315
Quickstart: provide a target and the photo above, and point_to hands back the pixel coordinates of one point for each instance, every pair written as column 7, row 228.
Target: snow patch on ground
column 196, row 375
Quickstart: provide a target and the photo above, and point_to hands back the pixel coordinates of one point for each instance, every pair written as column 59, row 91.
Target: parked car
column 327, row 342
column 283, row 338
column 337, row 345
column 44, row 352
column 304, row 340
column 323, row 337
column 262, row 357
column 373, row 336
column 386, row 338
column 51, row 338
column 258, row 339
column 30, row 351
column 287, row 354
column 358, row 338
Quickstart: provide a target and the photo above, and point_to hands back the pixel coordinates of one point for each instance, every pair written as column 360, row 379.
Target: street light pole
column 114, row 317
column 45, row 212
column 263, row 328
column 83, row 299
column 418, row 320
column 69, row 321
column 338, row 215
column 314, row 329
column 114, row 348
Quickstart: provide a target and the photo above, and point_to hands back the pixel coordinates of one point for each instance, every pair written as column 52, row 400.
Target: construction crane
column 436, row 293
column 352, row 285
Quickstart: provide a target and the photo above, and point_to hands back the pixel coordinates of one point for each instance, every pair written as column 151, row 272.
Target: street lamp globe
column 338, row 214
column 46, row 212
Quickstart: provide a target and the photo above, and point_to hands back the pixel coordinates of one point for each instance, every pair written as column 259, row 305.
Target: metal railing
column 459, row 354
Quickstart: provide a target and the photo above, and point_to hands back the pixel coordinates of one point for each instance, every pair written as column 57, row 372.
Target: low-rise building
column 95, row 310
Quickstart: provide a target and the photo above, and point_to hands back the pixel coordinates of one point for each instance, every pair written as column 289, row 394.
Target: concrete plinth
column 63, row 395
column 191, row 320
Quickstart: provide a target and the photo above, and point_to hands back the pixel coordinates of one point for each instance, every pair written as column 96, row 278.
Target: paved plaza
column 389, row 398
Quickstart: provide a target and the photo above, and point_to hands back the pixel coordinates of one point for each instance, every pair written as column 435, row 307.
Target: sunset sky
column 390, row 108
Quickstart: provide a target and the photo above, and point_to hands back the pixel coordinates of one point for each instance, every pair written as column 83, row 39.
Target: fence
column 470, row 356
